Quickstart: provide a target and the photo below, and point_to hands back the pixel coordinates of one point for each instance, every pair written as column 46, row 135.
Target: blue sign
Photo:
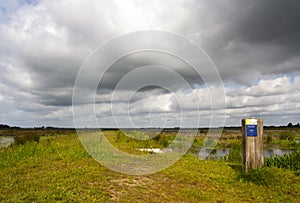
column 251, row 130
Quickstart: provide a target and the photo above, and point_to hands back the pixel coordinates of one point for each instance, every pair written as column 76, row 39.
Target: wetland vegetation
column 56, row 167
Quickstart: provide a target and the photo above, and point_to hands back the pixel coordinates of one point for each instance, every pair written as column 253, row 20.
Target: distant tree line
column 290, row 125
column 3, row 127
column 6, row 127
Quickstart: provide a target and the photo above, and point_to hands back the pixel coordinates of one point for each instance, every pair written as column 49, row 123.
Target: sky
column 253, row 45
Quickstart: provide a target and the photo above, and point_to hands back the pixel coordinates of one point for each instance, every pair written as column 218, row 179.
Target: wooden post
column 253, row 143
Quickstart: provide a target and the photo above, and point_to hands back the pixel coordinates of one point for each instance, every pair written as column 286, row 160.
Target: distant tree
column 4, row 126
column 290, row 125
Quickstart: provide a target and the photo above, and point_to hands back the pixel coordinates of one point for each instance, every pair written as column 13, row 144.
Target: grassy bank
column 59, row 169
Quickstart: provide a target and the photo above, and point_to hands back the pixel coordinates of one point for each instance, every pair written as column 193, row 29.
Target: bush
column 269, row 139
column 203, row 131
column 287, row 135
column 22, row 139
column 165, row 143
column 289, row 161
column 235, row 153
column 157, row 137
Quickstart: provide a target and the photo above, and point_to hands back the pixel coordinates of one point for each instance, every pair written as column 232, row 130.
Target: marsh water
column 219, row 153
column 6, row 141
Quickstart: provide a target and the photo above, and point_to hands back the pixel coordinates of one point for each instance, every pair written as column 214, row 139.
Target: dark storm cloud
column 149, row 58
column 241, row 35
column 274, row 22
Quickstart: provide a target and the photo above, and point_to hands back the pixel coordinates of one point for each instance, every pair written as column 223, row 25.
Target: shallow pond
column 6, row 141
column 219, row 153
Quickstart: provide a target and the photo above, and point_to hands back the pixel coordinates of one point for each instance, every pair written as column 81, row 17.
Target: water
column 213, row 154
column 6, row 141
column 153, row 150
column 219, row 153
column 276, row 152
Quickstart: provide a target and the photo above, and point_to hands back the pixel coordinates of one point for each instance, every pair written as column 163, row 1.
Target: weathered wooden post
column 253, row 143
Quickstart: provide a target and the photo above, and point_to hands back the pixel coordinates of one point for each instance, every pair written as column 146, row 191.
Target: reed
column 289, row 161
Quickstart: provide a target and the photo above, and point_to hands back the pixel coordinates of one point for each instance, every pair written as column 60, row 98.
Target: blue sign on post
column 251, row 127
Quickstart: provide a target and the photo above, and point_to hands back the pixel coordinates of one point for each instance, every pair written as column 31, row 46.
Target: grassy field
column 59, row 169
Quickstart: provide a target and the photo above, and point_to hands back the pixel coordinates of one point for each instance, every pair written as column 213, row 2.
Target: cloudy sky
column 254, row 45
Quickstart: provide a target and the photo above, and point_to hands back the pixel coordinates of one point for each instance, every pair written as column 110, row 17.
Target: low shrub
column 287, row 135
column 22, row 139
column 269, row 139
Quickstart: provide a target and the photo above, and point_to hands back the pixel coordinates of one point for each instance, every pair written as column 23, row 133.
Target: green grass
column 58, row 169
